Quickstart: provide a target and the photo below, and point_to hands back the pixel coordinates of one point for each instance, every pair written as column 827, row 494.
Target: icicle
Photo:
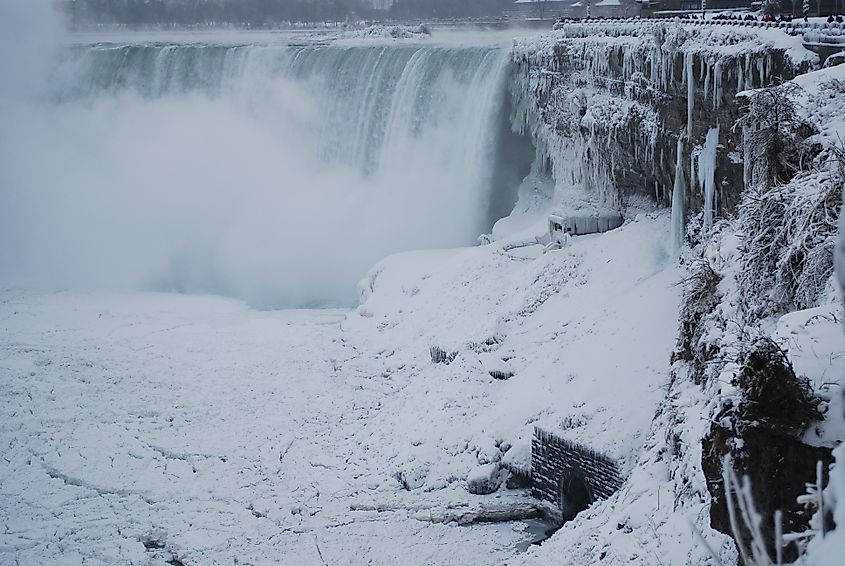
column 761, row 70
column 689, row 77
column 746, row 156
column 717, row 84
column 707, row 174
column 679, row 199
column 749, row 73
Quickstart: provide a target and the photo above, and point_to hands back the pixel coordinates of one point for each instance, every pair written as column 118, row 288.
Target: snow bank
column 391, row 32
column 568, row 325
column 150, row 428
column 307, row 433
column 829, row 549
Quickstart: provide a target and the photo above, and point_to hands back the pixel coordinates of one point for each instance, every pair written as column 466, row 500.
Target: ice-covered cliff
column 647, row 109
column 708, row 121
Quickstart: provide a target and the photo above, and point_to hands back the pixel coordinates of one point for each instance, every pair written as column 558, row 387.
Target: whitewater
column 275, row 169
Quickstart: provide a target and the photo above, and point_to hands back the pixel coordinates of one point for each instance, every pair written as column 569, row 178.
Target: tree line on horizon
column 268, row 12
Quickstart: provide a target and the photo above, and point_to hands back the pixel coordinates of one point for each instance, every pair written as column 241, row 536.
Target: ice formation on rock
column 594, row 98
column 679, row 199
column 707, row 174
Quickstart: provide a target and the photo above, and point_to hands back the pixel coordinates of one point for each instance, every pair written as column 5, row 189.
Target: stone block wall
column 569, row 475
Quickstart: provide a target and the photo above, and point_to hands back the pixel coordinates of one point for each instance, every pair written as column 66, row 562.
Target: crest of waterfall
column 378, row 103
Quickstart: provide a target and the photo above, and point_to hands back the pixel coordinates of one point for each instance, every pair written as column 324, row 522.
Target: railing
column 817, row 33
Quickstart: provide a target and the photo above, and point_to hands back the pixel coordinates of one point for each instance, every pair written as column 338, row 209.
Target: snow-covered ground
column 192, row 423
column 215, row 433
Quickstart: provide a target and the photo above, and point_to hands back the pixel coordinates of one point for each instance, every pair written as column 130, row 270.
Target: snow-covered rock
column 484, row 479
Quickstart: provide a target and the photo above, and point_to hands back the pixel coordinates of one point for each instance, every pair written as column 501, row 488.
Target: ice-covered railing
column 811, row 33
column 794, row 27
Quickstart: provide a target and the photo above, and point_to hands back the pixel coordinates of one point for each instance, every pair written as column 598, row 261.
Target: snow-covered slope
column 568, row 324
column 212, row 432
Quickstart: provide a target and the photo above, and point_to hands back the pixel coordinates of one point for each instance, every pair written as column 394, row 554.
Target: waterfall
column 274, row 173
column 376, row 101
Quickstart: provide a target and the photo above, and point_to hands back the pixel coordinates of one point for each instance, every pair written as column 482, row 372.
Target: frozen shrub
column 773, row 395
column 775, row 139
column 441, row 356
column 700, row 297
column 789, row 232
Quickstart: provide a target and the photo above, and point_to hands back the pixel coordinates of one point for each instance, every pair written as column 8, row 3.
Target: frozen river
column 147, row 428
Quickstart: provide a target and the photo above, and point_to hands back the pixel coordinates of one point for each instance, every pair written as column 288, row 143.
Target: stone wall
column 569, row 475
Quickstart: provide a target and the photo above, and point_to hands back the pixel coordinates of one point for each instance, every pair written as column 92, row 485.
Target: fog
column 195, row 192
column 29, row 35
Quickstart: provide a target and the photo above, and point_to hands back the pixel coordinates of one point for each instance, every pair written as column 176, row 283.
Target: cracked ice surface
column 210, row 432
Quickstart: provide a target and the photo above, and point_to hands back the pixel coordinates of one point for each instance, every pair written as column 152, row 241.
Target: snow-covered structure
column 564, row 224
column 568, row 475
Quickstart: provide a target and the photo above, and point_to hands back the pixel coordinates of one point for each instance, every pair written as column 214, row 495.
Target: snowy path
column 146, row 428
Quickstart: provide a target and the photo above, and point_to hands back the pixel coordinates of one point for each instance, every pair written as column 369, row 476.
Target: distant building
column 695, row 5
column 381, row 4
column 553, row 9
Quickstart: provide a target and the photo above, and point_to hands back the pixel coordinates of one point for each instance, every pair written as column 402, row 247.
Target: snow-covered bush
column 789, row 210
column 789, row 234
column 773, row 396
column 700, row 297
column 775, row 136
column 394, row 32
column 757, row 433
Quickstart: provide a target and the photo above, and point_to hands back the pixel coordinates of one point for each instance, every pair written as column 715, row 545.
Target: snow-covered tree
column 771, row 7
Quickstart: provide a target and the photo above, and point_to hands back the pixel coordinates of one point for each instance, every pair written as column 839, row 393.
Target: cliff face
column 607, row 107
column 654, row 111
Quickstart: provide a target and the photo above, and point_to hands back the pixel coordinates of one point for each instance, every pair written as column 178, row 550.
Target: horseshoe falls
column 273, row 173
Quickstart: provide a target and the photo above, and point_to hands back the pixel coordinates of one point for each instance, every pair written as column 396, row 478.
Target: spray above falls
column 277, row 174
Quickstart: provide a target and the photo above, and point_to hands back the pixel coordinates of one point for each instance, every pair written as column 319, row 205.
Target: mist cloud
column 199, row 192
